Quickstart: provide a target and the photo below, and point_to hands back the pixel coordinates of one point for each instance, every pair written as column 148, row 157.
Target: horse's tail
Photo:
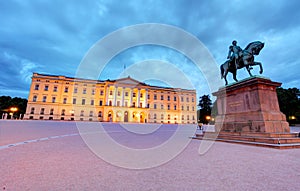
column 222, row 71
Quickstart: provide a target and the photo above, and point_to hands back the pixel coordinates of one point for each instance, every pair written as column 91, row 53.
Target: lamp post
column 208, row 118
column 13, row 109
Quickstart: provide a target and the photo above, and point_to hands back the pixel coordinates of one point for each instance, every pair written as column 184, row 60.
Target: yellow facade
column 54, row 97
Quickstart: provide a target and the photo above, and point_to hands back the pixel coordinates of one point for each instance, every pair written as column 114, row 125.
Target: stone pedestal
column 250, row 105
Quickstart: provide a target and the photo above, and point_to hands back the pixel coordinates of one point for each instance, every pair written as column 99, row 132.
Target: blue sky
column 53, row 37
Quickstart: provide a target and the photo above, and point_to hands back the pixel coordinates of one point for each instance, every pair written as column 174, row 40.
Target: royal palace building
column 53, row 97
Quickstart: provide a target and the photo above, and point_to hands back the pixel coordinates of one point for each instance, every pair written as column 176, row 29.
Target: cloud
column 53, row 36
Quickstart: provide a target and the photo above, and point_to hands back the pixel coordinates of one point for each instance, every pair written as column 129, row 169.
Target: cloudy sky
column 54, row 37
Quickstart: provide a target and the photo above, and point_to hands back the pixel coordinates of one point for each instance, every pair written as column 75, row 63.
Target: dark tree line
column 204, row 113
column 289, row 103
column 6, row 103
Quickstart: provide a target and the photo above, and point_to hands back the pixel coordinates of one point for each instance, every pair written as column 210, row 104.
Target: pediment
column 129, row 81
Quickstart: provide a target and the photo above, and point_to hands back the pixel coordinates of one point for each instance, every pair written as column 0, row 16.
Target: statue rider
column 236, row 53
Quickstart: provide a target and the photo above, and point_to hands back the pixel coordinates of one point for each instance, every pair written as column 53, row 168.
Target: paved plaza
column 51, row 155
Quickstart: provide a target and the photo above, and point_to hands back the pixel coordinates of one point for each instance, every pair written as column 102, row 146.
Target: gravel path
column 66, row 163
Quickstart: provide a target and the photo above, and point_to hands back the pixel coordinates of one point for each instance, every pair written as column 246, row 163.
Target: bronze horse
column 246, row 60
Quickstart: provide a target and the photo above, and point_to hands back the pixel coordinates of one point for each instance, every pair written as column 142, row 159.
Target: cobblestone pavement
column 52, row 156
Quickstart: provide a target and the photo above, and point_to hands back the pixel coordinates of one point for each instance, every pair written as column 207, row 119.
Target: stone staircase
column 272, row 140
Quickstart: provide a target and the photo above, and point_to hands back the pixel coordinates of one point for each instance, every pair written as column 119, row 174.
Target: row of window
column 63, row 112
column 91, row 114
column 84, row 91
column 169, row 117
column 83, row 102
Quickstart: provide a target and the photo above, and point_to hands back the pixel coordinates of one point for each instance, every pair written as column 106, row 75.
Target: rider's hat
column 234, row 42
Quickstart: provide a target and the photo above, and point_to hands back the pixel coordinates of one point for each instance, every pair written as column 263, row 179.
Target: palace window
column 81, row 113
column 55, row 89
column 182, row 99
column 169, row 116
column 92, row 102
column 91, row 113
column 175, row 107
column 100, row 103
column 34, row 98
column 66, row 89
column 155, row 97
column 83, row 102
column 193, row 99
column 51, row 111
column 65, row 100
column 74, row 100
column 187, row 99
column 154, row 117
column 93, row 91
column 133, row 94
column 100, row 114
column 101, row 92
column 84, row 91
column 44, row 98
column 168, row 98
column 126, row 94
column 161, row 106
column 175, row 98
column 36, row 87
column 46, row 87
column 119, row 93
column 75, row 90
column 32, row 110
column 63, row 111
column 53, row 99
column 187, row 108
column 110, row 92
column 42, row 111
column 182, row 107
column 154, row 106
column 162, row 116
column 168, row 107
column 162, row 97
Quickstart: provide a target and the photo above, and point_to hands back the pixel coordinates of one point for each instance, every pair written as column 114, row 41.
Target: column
column 131, row 91
column 146, row 98
column 122, row 99
column 138, row 98
column 106, row 95
column 115, row 96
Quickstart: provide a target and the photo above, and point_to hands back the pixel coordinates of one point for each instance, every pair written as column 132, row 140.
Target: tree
column 289, row 103
column 6, row 102
column 205, row 105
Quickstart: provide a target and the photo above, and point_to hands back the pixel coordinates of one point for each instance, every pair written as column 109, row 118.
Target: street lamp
column 208, row 118
column 13, row 109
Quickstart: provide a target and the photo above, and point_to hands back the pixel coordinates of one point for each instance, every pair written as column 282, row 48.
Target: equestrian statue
column 238, row 58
